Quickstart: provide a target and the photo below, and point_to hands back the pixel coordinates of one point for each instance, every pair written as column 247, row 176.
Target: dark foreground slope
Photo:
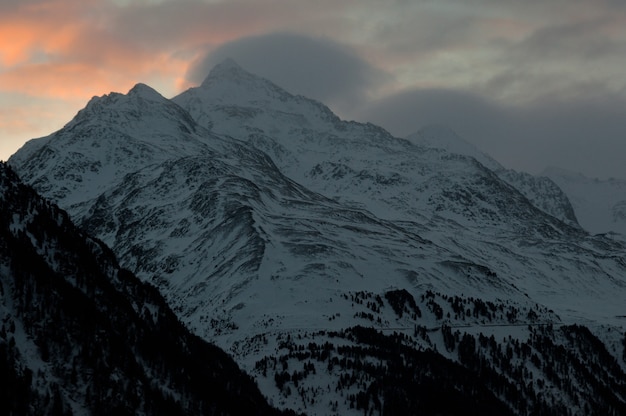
column 80, row 335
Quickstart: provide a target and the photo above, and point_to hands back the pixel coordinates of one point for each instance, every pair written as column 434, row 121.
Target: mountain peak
column 144, row 91
column 230, row 84
column 118, row 101
column 229, row 69
column 228, row 64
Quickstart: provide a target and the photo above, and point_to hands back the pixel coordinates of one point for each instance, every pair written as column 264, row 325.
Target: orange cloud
column 33, row 30
column 58, row 80
column 21, row 41
column 77, row 48
column 71, row 48
column 84, row 80
column 23, row 117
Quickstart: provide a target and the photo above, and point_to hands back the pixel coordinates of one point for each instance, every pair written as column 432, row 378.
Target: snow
column 600, row 204
column 441, row 137
column 257, row 219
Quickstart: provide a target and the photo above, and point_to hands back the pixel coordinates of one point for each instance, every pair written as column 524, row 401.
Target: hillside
column 80, row 335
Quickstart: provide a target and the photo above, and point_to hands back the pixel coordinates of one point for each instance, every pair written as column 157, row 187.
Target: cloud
column 530, row 82
column 406, row 111
column 315, row 67
column 70, row 49
column 584, row 134
column 33, row 31
column 134, row 41
column 583, row 39
column 26, row 117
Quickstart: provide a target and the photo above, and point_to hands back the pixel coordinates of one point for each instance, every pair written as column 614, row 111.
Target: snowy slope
column 79, row 334
column 322, row 225
column 437, row 136
column 133, row 130
column 361, row 164
column 540, row 191
column 600, row 204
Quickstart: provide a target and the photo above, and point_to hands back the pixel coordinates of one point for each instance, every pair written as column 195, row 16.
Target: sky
column 532, row 83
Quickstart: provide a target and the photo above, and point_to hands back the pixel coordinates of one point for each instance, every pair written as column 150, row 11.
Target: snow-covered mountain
column 314, row 250
column 80, row 335
column 437, row 136
column 540, row 191
column 600, row 205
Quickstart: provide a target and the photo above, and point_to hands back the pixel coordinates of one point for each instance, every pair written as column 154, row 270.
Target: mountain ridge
column 310, row 145
column 600, row 203
column 540, row 191
column 275, row 228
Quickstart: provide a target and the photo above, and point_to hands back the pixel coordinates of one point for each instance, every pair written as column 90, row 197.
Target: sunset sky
column 532, row 83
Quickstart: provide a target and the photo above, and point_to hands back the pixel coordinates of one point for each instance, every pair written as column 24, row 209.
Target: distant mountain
column 599, row 204
column 80, row 335
column 540, row 191
column 346, row 269
column 437, row 136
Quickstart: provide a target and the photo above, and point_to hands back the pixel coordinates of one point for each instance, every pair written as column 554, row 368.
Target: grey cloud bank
column 583, row 136
column 314, row 67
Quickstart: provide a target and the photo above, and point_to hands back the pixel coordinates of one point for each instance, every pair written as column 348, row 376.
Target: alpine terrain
column 600, row 204
column 80, row 335
column 346, row 270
